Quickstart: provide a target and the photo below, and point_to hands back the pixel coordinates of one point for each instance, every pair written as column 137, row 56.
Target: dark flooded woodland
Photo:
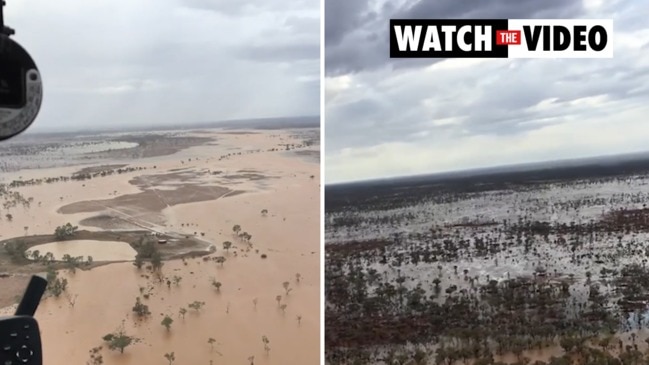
column 546, row 265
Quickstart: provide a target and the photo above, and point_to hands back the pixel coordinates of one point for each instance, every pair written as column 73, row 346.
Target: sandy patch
column 149, row 200
column 144, row 209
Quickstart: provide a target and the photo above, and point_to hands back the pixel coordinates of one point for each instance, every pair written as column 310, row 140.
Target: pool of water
column 99, row 250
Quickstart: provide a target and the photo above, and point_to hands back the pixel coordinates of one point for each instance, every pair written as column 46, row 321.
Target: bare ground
column 148, row 201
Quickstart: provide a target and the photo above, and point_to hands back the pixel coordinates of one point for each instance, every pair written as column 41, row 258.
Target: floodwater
column 99, row 250
column 88, row 147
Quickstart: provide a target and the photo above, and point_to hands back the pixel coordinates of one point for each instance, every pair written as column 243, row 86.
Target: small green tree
column 266, row 342
column 177, row 280
column 264, row 212
column 166, row 322
column 196, row 305
column 72, row 263
column 286, row 286
column 217, row 285
column 59, row 286
column 182, row 312
column 65, row 231
column 140, row 309
column 55, row 284
column 211, row 341
column 220, row 260
column 227, row 245
column 236, row 229
column 51, row 274
column 47, row 258
column 119, row 340
column 171, row 357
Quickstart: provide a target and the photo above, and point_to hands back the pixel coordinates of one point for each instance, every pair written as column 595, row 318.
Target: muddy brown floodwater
column 198, row 203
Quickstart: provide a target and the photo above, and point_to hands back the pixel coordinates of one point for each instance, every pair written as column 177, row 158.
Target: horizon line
column 144, row 128
column 476, row 171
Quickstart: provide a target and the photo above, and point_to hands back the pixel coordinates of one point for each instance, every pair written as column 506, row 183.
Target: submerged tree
column 171, row 357
column 266, row 342
column 286, row 286
column 196, row 305
column 119, row 340
column 166, row 322
column 227, row 245
column 140, row 309
column 216, row 284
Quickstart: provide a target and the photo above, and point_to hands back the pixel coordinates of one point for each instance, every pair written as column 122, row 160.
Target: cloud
column 580, row 138
column 387, row 117
column 247, row 7
column 112, row 63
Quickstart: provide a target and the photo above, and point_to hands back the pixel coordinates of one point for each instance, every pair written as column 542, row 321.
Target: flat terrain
column 175, row 198
column 546, row 265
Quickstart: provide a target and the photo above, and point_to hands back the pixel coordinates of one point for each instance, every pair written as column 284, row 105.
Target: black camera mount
column 20, row 338
column 21, row 88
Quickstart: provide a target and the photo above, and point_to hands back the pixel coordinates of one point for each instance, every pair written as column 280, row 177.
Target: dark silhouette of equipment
column 21, row 88
column 20, row 339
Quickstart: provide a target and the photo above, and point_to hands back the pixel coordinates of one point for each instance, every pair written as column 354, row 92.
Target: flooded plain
column 205, row 228
column 490, row 267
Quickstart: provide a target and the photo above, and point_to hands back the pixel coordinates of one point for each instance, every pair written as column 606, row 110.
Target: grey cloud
column 491, row 99
column 379, row 107
column 282, row 53
column 246, row 7
column 495, row 9
column 342, row 17
column 168, row 61
column 302, row 24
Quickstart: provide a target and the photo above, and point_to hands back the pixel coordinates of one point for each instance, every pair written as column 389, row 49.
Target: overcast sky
column 403, row 117
column 148, row 62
